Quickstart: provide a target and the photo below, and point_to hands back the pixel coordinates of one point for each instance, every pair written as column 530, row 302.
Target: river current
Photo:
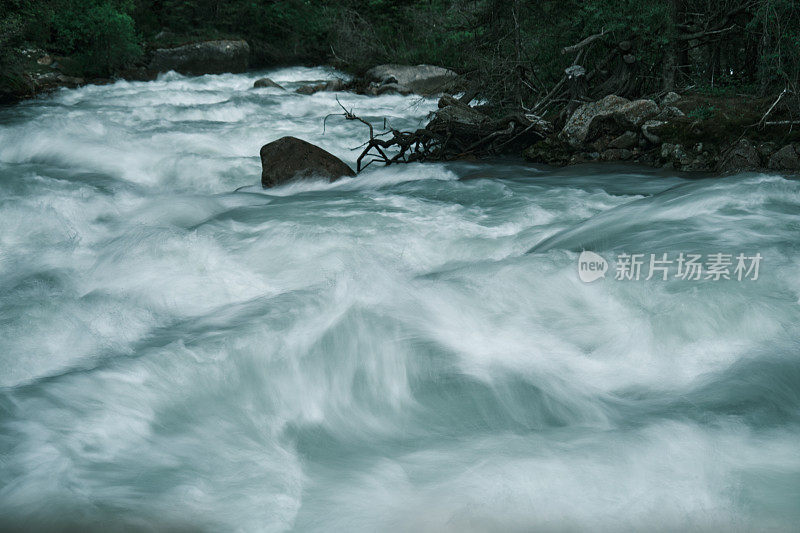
column 409, row 350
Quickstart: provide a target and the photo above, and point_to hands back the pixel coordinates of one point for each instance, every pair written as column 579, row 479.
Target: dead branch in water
column 456, row 131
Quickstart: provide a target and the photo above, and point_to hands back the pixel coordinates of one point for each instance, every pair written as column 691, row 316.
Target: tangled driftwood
column 455, row 131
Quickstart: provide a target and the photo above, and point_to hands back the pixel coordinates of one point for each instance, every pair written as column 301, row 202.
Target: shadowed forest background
column 513, row 51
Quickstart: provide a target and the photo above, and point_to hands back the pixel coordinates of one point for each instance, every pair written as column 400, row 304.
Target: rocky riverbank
column 691, row 132
column 44, row 72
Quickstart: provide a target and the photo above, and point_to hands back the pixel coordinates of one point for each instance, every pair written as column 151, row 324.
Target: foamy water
column 409, row 350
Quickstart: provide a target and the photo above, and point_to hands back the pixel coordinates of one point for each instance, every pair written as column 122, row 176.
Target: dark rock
column 627, row 140
column 699, row 158
column 460, row 117
column 787, row 158
column 425, row 80
column 290, row 158
column 584, row 157
column 551, row 151
column 673, row 152
column 766, row 149
column 207, row 57
column 473, row 129
column 389, row 88
column 616, row 154
column 742, row 155
column 310, row 89
column 53, row 80
column 266, row 83
column 336, row 84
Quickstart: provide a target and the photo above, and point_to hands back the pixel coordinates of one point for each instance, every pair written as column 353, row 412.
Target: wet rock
column 290, row 158
column 699, row 158
column 551, row 151
column 458, row 117
column 425, row 80
column 627, row 140
column 584, row 157
column 391, row 88
column 53, row 80
column 673, row 152
column 616, row 154
column 766, row 149
column 266, row 83
column 310, row 89
column 336, row 84
column 787, row 158
column 207, row 57
column 742, row 155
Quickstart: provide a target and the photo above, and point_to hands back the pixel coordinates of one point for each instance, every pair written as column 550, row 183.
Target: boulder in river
column 266, row 83
column 336, row 84
column 425, row 80
column 207, row 57
column 290, row 158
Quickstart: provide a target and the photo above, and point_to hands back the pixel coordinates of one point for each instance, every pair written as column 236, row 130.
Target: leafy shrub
column 100, row 34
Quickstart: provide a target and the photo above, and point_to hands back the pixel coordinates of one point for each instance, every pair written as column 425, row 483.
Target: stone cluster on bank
column 644, row 131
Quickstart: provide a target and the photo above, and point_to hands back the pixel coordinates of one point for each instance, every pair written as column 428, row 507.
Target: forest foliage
column 513, row 48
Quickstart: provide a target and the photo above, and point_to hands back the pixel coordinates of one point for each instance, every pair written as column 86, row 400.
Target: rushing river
column 409, row 350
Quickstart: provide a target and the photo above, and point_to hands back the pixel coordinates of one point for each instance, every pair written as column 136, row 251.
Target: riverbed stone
column 742, row 155
column 267, row 83
column 425, row 80
column 336, row 84
column 787, row 158
column 626, row 140
column 290, row 158
column 616, row 154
